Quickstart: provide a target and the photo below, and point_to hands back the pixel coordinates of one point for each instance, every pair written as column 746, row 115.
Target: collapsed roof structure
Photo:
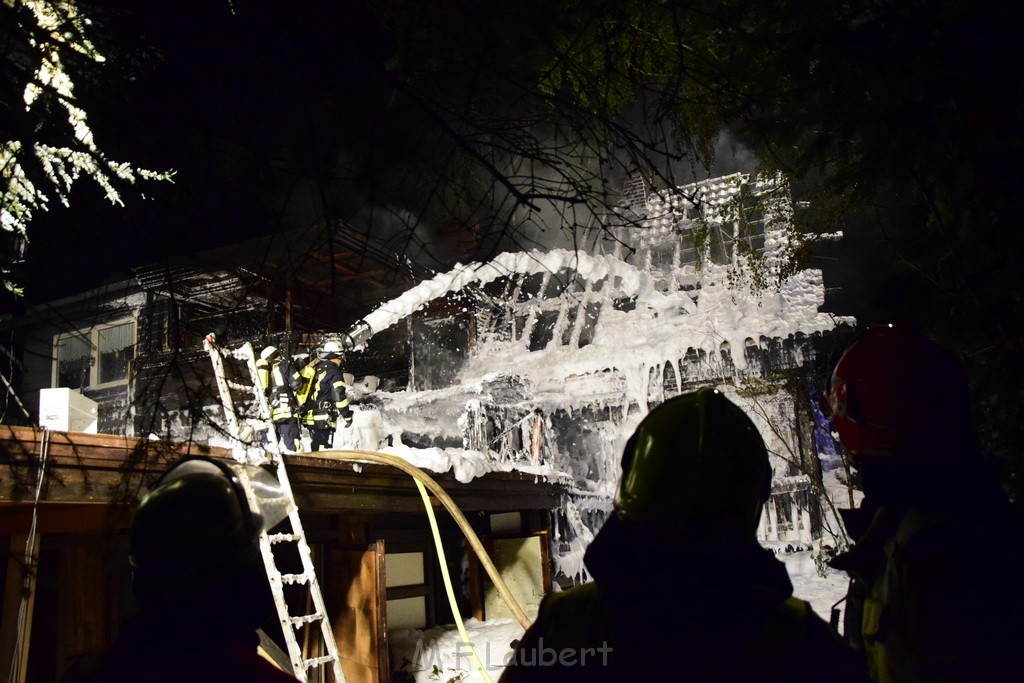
column 545, row 361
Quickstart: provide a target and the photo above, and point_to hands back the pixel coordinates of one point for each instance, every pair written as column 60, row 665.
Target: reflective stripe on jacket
column 279, row 379
column 328, row 398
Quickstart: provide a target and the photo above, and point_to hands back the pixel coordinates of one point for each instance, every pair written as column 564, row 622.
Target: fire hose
column 446, row 500
column 422, row 479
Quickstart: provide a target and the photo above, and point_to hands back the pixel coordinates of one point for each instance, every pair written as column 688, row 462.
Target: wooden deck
column 107, row 470
column 92, row 483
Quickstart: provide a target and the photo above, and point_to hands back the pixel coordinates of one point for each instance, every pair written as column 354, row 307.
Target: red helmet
column 895, row 392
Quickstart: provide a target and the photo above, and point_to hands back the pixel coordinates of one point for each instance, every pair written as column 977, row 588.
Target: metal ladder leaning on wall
column 243, row 430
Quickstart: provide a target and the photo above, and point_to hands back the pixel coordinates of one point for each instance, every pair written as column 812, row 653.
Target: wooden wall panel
column 16, row 623
column 356, row 585
column 92, row 595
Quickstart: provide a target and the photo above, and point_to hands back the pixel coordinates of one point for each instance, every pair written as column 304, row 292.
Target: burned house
column 546, row 361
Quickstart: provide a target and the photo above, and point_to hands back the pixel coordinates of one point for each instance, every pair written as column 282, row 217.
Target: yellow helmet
column 695, row 465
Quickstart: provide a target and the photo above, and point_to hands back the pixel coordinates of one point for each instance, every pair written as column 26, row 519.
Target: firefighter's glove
column 348, row 422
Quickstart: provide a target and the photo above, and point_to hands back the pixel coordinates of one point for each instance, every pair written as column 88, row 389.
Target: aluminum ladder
column 242, row 430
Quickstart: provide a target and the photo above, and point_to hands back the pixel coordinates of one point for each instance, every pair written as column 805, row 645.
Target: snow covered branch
column 50, row 30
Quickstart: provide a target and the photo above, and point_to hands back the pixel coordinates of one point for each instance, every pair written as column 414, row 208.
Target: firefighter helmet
column 695, row 465
column 332, row 349
column 895, row 392
column 191, row 531
column 268, row 352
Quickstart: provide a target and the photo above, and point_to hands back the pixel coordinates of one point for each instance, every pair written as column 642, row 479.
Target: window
column 720, row 243
column 750, row 224
column 687, row 249
column 73, row 362
column 408, row 590
column 96, row 357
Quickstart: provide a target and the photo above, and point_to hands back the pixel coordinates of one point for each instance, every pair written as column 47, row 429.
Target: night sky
column 273, row 117
column 278, row 116
column 266, row 116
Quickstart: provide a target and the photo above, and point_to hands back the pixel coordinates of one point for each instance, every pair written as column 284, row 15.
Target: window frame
column 92, row 335
column 425, row 589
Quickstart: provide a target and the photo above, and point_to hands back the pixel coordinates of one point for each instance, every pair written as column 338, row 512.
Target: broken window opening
column 720, row 243
column 655, row 389
column 543, row 330
column 663, row 256
column 115, row 348
column 567, row 329
column 531, row 286
column 559, row 283
column 750, row 224
column 687, row 249
column 588, row 327
column 73, row 361
column 670, row 383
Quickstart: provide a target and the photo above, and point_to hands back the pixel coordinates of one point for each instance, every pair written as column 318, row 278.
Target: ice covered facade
column 566, row 351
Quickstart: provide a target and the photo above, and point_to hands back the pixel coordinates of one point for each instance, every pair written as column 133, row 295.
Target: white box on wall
column 66, row 410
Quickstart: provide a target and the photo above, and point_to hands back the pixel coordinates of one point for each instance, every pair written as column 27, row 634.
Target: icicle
column 773, row 521
column 571, row 562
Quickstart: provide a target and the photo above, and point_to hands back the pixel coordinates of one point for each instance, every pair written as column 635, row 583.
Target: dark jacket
column 328, row 398
column 935, row 590
column 656, row 611
column 206, row 636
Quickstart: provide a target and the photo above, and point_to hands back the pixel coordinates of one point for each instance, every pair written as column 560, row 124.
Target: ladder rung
column 239, row 385
column 318, row 661
column 294, row 578
column 305, row 619
column 282, row 538
column 275, row 499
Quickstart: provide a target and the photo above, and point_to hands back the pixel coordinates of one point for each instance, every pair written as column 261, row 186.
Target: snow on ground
column 439, row 655
column 821, row 592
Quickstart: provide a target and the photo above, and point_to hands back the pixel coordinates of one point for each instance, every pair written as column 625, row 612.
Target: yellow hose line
column 448, row 581
column 446, row 500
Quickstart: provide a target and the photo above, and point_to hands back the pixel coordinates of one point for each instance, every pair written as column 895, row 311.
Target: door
column 357, row 606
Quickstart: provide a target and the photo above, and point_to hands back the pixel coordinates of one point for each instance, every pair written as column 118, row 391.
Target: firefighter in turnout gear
column 681, row 588
column 327, row 399
column 936, row 563
column 280, row 380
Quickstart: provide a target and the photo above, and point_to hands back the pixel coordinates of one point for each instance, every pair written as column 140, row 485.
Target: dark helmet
column 895, row 392
column 194, row 529
column 695, row 465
